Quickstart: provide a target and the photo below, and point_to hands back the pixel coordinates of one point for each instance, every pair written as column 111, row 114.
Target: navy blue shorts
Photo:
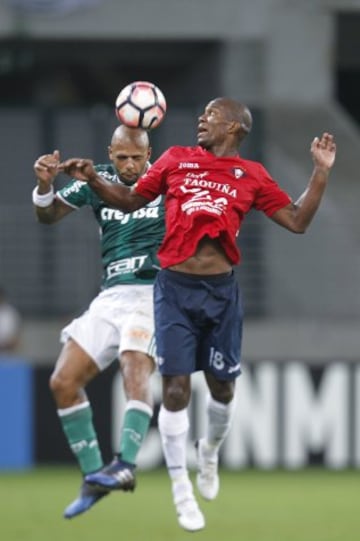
column 198, row 324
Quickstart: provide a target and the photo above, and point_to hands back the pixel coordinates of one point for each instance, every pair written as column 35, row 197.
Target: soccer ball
column 141, row 105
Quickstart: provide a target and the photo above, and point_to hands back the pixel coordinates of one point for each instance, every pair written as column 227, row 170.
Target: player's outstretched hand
column 323, row 151
column 46, row 167
column 79, row 168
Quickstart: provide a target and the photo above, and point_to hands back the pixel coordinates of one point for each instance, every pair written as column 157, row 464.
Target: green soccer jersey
column 129, row 242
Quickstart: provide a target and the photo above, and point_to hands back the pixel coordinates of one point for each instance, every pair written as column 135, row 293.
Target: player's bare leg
column 73, row 371
column 136, row 369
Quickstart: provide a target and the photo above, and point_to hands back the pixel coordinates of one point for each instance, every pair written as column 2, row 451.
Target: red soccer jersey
column 207, row 195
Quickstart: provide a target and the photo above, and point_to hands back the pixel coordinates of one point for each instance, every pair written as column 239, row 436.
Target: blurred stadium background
column 296, row 64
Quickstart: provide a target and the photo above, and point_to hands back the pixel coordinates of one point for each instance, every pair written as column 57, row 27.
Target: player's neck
column 224, row 150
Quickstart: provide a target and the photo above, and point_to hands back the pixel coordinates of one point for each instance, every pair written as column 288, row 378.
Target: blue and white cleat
column 118, row 475
column 87, row 498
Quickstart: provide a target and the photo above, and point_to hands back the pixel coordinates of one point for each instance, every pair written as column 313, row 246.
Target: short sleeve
column 270, row 197
column 153, row 183
column 76, row 194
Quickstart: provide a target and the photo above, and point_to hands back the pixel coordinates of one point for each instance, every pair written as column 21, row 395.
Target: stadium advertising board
column 289, row 414
column 16, row 414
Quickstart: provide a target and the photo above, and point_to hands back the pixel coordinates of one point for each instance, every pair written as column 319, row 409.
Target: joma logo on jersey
column 114, row 214
column 124, row 266
column 188, row 165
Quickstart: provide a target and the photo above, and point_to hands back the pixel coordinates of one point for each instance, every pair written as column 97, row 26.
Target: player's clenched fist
column 46, row 167
column 79, row 168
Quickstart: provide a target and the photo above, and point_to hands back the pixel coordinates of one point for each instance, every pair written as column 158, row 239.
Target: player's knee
column 136, row 363
column 176, row 394
column 60, row 387
column 55, row 384
column 223, row 393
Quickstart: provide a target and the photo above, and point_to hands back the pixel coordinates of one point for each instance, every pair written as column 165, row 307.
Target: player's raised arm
column 116, row 195
column 298, row 216
column 47, row 207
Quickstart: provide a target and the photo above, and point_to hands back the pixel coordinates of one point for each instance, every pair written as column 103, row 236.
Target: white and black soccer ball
column 141, row 104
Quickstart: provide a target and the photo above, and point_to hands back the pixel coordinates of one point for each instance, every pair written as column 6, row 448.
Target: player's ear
column 110, row 152
column 240, row 129
column 234, row 127
column 149, row 153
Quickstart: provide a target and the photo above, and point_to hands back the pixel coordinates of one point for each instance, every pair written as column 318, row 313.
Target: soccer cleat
column 188, row 513
column 118, row 475
column 207, row 478
column 87, row 498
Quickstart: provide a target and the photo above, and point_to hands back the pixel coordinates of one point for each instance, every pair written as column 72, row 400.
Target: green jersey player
column 119, row 321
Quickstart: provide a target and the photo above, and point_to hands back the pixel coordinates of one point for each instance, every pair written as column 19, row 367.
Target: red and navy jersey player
column 208, row 190
column 207, row 198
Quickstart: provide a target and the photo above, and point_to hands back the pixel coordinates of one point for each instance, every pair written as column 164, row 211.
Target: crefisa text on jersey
column 108, row 214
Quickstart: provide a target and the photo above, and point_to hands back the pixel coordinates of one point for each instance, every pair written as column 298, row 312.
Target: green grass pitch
column 253, row 505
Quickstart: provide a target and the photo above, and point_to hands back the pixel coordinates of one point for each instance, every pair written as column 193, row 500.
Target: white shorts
column 119, row 319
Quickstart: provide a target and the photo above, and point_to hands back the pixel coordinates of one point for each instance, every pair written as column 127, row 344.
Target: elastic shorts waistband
column 186, row 277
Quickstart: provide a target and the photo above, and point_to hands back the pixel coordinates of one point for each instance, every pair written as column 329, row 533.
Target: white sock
column 219, row 417
column 173, row 428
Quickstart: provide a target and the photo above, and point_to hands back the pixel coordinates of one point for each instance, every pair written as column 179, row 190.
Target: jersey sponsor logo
column 138, row 333
column 210, row 184
column 204, row 174
column 74, row 188
column 124, row 266
column 203, row 201
column 189, row 165
column 108, row 214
